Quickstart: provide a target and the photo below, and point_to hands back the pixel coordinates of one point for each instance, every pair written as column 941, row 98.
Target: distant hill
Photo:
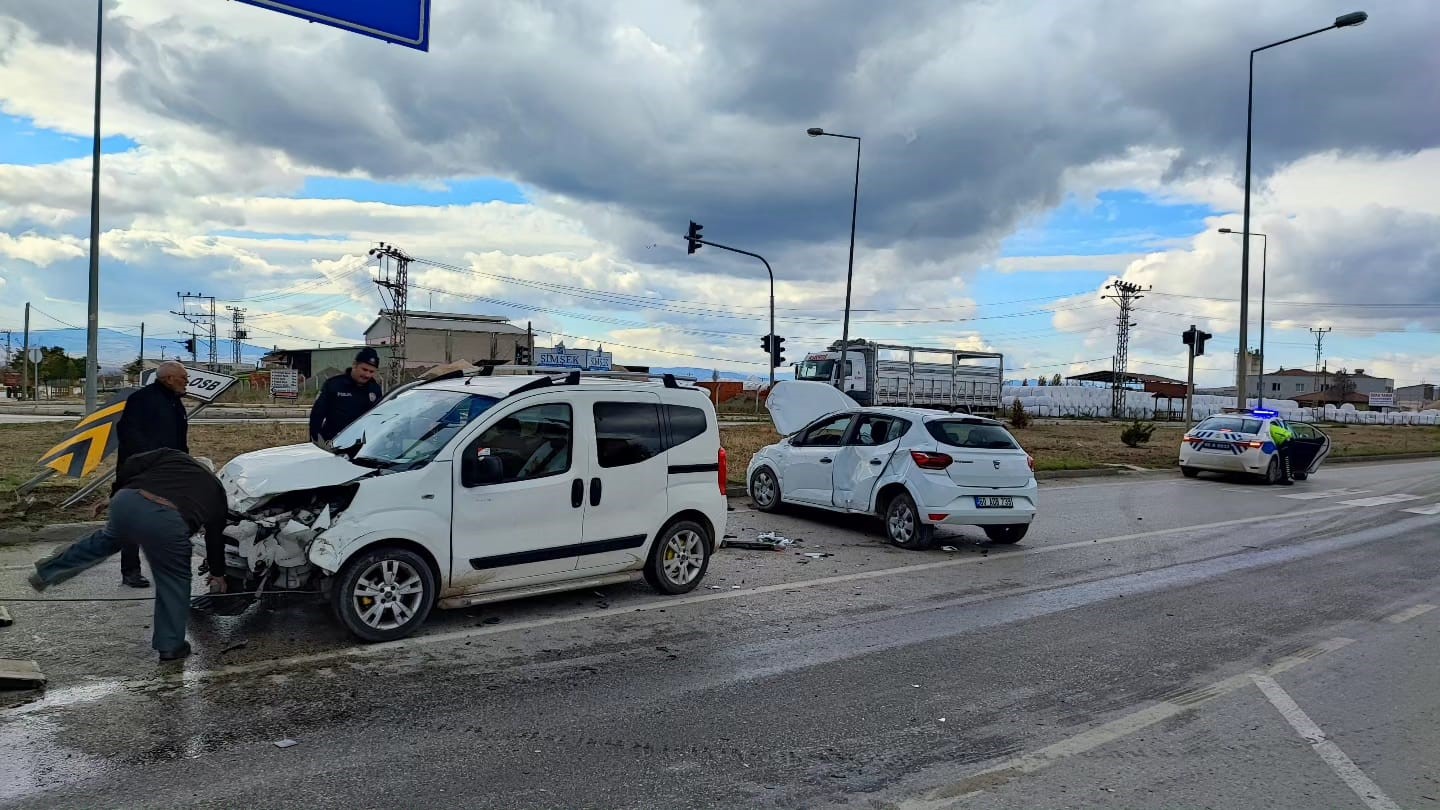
column 119, row 348
column 707, row 374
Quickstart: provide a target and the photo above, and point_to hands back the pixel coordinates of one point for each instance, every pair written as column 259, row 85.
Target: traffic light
column 694, row 234
column 777, row 352
column 766, row 345
column 190, row 346
column 522, row 355
column 1196, row 338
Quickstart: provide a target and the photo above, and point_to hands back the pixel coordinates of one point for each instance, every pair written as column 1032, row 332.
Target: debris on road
column 5, row 620
column 490, row 620
column 949, row 548
column 17, row 674
column 815, row 555
column 765, row 541
column 239, row 645
column 287, row 743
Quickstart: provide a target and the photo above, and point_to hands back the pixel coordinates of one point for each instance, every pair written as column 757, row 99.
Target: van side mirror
column 480, row 471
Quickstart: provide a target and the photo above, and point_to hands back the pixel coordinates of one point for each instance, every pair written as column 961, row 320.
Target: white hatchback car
column 1241, row 443
column 460, row 491
column 914, row 468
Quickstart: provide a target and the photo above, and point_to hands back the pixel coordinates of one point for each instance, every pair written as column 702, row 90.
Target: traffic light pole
column 699, row 241
column 1190, row 387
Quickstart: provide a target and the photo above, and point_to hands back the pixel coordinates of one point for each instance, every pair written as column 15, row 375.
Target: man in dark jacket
column 159, row 500
column 154, row 417
column 346, row 397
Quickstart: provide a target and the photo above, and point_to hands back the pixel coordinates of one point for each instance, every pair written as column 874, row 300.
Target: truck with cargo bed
column 910, row 376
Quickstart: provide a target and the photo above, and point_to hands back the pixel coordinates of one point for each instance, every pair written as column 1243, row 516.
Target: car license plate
column 1223, row 447
column 994, row 502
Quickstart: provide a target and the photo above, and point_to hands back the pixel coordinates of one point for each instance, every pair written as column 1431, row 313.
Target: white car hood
column 793, row 404
column 253, row 477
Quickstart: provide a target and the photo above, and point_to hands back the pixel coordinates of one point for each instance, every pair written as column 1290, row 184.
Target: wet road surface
column 1154, row 642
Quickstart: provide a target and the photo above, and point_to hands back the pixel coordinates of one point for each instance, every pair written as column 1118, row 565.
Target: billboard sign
column 402, row 22
column 573, row 359
column 284, row 383
column 1382, row 400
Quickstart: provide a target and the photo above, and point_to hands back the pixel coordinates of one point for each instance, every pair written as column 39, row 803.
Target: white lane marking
column 1381, row 500
column 1432, row 509
column 1345, row 768
column 949, row 795
column 1409, row 613
column 190, row 677
column 1329, row 493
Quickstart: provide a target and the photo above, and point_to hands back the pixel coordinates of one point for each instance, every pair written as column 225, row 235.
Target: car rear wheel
column 679, row 558
column 1012, row 533
column 903, row 526
column 1189, row 472
column 384, row 593
column 765, row 490
column 1272, row 472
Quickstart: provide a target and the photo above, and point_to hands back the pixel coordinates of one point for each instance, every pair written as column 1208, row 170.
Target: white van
column 477, row 489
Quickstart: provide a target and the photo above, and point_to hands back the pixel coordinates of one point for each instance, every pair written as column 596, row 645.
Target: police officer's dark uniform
column 346, row 397
column 154, row 418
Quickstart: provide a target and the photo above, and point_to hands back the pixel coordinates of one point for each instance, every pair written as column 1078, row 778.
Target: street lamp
column 1264, row 265
column 1343, row 21
column 816, row 132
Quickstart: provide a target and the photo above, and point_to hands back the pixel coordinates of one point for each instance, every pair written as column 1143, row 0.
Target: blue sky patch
column 1118, row 222
column 22, row 143
column 451, row 192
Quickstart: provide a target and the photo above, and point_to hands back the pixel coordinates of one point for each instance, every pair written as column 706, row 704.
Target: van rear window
column 959, row 433
column 686, row 423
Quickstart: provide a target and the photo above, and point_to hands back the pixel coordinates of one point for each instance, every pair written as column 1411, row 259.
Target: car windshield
column 959, row 433
column 1233, row 424
column 408, row 430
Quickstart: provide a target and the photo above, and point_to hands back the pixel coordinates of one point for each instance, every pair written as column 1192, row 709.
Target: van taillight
column 724, row 470
column 930, row 461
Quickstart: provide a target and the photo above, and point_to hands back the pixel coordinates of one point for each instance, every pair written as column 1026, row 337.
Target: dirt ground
column 1056, row 446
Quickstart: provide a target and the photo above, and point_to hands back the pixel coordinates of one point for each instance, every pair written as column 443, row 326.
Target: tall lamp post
column 1352, row 19
column 92, row 311
column 816, row 132
column 1264, row 265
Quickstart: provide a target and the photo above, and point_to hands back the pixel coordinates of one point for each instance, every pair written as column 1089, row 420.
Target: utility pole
column 238, row 333
column 92, row 318
column 1319, row 354
column 25, row 359
column 201, row 313
column 394, row 278
column 7, row 347
column 1125, row 295
column 141, row 359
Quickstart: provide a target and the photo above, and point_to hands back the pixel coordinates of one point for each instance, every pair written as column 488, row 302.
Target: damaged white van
column 475, row 489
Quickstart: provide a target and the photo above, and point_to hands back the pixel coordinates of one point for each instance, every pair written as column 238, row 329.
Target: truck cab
column 824, row 366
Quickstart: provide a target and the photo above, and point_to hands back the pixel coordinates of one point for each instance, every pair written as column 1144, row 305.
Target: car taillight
column 724, row 470
column 1255, row 445
column 930, row 461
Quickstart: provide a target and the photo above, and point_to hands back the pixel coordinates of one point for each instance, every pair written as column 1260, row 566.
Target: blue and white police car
column 1241, row 443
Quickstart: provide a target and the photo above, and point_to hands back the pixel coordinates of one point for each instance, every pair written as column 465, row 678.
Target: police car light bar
column 1264, row 412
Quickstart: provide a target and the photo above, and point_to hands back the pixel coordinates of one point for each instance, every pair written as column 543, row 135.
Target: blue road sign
column 403, row 22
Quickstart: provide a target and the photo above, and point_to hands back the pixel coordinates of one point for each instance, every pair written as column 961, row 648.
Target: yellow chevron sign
column 88, row 443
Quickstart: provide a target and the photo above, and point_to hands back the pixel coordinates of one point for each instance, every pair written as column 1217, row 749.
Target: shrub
column 1018, row 417
column 1137, row 433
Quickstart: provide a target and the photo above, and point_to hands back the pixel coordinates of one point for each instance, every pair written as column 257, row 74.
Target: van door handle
column 577, row 493
column 594, row 491
column 824, row 461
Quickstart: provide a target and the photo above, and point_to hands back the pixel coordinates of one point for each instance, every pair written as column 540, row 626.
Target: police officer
column 154, row 417
column 1284, row 439
column 346, row 397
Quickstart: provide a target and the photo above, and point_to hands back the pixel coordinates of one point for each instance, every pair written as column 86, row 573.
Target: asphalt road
column 1154, row 642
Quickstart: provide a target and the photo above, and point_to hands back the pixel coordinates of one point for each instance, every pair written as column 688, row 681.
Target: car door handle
column 824, row 461
column 877, row 461
column 594, row 491
column 577, row 493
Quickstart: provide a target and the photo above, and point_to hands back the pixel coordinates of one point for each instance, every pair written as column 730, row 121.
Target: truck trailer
column 911, row 376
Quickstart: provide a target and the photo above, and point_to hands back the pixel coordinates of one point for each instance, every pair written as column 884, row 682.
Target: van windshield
column 409, row 430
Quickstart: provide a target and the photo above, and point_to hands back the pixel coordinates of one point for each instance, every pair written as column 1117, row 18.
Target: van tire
column 1007, row 534
column 903, row 527
column 679, row 548
column 396, row 574
column 762, row 482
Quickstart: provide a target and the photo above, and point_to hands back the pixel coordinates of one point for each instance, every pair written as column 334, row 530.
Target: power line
column 1343, row 304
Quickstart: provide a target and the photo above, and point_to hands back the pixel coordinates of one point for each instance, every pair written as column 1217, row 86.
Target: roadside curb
column 1387, row 457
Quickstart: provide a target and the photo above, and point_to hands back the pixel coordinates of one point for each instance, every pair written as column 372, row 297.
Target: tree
column 1025, row 383
column 1056, row 380
column 1040, row 381
column 56, row 365
column 1018, row 417
column 1343, row 386
column 1137, row 433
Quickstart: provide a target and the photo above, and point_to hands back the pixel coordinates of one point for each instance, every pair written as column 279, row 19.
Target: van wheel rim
column 764, row 489
column 684, row 556
column 387, row 594
column 902, row 523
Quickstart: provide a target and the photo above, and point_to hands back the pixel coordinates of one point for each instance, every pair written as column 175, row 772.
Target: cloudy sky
column 548, row 154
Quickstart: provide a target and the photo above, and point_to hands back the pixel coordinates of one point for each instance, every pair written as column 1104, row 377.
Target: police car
column 1241, row 443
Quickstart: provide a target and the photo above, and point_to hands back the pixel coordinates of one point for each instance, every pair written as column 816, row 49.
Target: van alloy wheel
column 684, row 557
column 383, row 593
column 679, row 558
column 388, row 594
